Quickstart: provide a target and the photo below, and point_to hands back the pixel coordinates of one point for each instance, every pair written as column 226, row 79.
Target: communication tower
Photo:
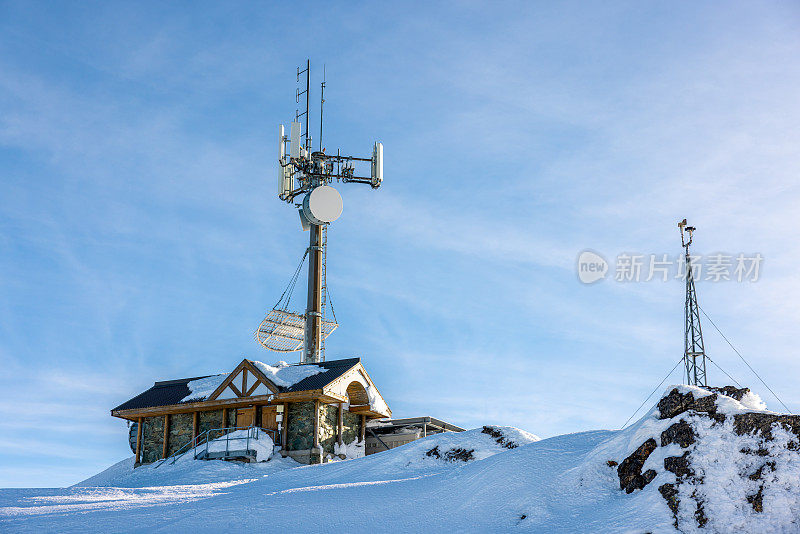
column 694, row 355
column 308, row 176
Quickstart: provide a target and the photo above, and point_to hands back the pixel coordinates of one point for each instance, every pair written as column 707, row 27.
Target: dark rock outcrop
column 452, row 455
column 732, row 392
column 761, row 423
column 675, row 403
column 679, row 465
column 689, row 411
column 670, row 494
column 630, row 470
column 680, row 433
column 757, row 500
column 500, row 437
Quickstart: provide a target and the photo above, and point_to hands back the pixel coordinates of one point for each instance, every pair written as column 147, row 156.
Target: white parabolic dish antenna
column 322, row 205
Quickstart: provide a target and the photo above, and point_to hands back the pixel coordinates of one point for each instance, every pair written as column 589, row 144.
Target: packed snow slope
column 490, row 479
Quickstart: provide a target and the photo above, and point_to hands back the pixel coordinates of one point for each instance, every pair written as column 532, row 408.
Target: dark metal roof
column 169, row 392
column 162, row 393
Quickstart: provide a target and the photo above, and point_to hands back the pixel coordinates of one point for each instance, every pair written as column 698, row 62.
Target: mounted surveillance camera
column 377, row 165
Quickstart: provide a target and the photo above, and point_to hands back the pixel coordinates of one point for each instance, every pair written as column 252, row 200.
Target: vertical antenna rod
column 694, row 354
column 307, row 92
column 308, row 95
column 321, row 104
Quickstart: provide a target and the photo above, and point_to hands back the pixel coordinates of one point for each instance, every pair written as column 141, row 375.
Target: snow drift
column 719, row 450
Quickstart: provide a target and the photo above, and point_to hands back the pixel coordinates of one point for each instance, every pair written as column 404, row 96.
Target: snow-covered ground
column 495, row 479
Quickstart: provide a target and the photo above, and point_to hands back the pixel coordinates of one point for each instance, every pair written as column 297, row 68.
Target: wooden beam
column 228, row 379
column 195, row 419
column 235, row 389
column 258, row 374
column 192, row 406
column 166, row 436
column 138, row 441
column 245, row 365
column 285, row 427
column 316, row 424
column 244, row 381
column 363, row 432
column 311, row 394
column 294, row 396
column 340, row 425
column 224, row 418
column 252, row 388
column 366, row 410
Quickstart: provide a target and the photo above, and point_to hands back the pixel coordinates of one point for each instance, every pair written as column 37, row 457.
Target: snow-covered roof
column 287, row 378
column 284, row 375
column 201, row 388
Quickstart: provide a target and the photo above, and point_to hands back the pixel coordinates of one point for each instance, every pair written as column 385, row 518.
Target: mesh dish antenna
column 310, row 176
column 284, row 331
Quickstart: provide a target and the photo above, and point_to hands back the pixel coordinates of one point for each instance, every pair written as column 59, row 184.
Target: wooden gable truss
column 244, row 381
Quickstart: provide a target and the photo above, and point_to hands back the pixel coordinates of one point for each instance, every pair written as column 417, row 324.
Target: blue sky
column 141, row 239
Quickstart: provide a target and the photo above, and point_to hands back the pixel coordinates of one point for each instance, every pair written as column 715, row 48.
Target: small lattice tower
column 694, row 355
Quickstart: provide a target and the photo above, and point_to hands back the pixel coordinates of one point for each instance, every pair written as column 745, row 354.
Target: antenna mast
column 306, row 173
column 694, row 354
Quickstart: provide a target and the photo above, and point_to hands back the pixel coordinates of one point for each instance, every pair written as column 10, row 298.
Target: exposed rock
column 761, row 423
column 676, row 403
column 630, row 470
column 670, row 494
column 499, row 437
column 611, row 463
column 678, row 465
column 758, row 429
column 758, row 452
column 760, row 471
column 757, row 500
column 452, row 455
column 732, row 392
column 680, row 433
column 699, row 513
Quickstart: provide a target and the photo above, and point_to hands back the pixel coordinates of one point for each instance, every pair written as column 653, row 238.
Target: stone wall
column 152, row 438
column 328, row 423
column 328, row 426
column 208, row 420
column 300, row 429
column 180, row 431
column 300, row 426
column 352, row 427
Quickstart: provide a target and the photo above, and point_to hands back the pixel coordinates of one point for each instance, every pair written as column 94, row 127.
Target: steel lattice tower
column 694, row 355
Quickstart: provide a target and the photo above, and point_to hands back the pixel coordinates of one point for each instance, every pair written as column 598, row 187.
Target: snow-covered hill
column 491, row 479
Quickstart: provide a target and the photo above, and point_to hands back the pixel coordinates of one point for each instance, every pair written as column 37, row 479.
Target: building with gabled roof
column 307, row 409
